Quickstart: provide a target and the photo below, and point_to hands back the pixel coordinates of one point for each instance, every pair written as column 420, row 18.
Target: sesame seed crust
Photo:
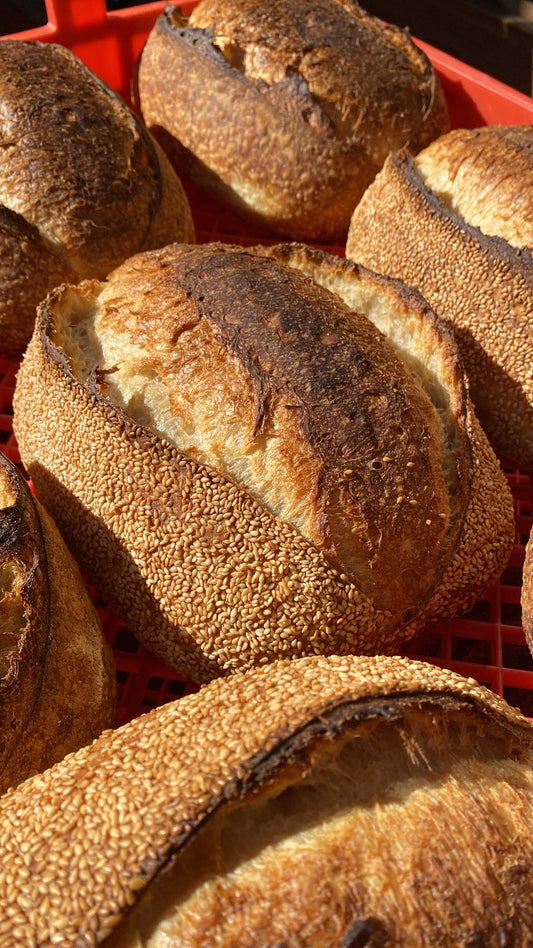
column 478, row 283
column 198, row 563
column 80, row 844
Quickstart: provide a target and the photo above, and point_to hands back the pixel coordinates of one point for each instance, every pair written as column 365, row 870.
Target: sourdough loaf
column 285, row 111
column 320, row 802
column 247, row 467
column 57, row 677
column 456, row 221
column 527, row 594
column 82, row 183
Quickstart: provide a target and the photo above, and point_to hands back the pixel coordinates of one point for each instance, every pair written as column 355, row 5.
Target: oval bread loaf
column 82, row 183
column 57, row 677
column 456, row 222
column 320, row 802
column 247, row 467
column 286, row 111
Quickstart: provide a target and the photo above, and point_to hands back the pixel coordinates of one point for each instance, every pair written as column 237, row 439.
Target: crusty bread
column 286, row 111
column 245, row 465
column 82, row 183
column 319, row 803
column 527, row 594
column 57, row 677
column 457, row 223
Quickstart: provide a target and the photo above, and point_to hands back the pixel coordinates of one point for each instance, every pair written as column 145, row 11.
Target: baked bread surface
column 57, row 677
column 286, row 111
column 455, row 222
column 321, row 802
column 82, row 183
column 247, row 467
column 526, row 597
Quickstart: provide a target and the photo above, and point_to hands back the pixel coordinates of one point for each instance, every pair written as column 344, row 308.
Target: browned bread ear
column 82, row 183
column 57, row 678
column 286, row 111
column 245, row 463
column 301, row 803
column 456, row 222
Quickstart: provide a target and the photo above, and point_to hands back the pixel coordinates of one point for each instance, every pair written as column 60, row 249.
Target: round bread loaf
column 319, row 803
column 57, row 677
column 82, row 183
column 457, row 222
column 247, row 467
column 283, row 110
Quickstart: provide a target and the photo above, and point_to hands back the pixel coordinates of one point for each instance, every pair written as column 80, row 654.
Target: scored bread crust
column 484, row 510
column 479, row 283
column 124, row 832
column 57, row 680
column 82, row 183
column 286, row 113
column 246, row 467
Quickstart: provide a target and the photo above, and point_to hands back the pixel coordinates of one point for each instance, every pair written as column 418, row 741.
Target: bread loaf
column 82, row 183
column 57, row 677
column 527, row 594
column 247, row 467
column 319, row 803
column 284, row 111
column 456, row 221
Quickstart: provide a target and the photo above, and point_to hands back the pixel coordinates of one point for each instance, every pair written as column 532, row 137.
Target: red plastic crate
column 488, row 644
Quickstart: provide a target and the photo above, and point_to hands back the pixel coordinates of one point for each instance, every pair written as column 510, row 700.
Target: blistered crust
column 82, row 183
column 277, row 112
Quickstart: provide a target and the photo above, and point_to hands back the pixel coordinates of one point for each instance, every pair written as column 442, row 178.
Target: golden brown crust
column 263, row 499
column 482, row 511
column 480, row 284
column 436, row 794
column 527, row 594
column 57, row 674
column 485, row 175
column 277, row 112
column 82, row 183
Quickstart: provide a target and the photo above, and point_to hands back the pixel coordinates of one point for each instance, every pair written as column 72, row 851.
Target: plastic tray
column 488, row 644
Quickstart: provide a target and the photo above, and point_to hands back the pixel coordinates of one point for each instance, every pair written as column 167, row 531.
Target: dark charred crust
column 197, row 41
column 308, row 355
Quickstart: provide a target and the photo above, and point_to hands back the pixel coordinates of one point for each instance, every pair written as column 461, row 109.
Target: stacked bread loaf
column 277, row 464
column 323, row 802
column 456, row 221
column 82, row 183
column 286, row 111
column 57, row 677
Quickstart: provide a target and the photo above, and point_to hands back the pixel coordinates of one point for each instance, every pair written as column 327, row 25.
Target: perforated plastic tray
column 488, row 644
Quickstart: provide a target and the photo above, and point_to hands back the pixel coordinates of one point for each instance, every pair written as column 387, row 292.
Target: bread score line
column 456, row 222
column 57, row 675
column 322, row 802
column 247, row 467
column 286, row 111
